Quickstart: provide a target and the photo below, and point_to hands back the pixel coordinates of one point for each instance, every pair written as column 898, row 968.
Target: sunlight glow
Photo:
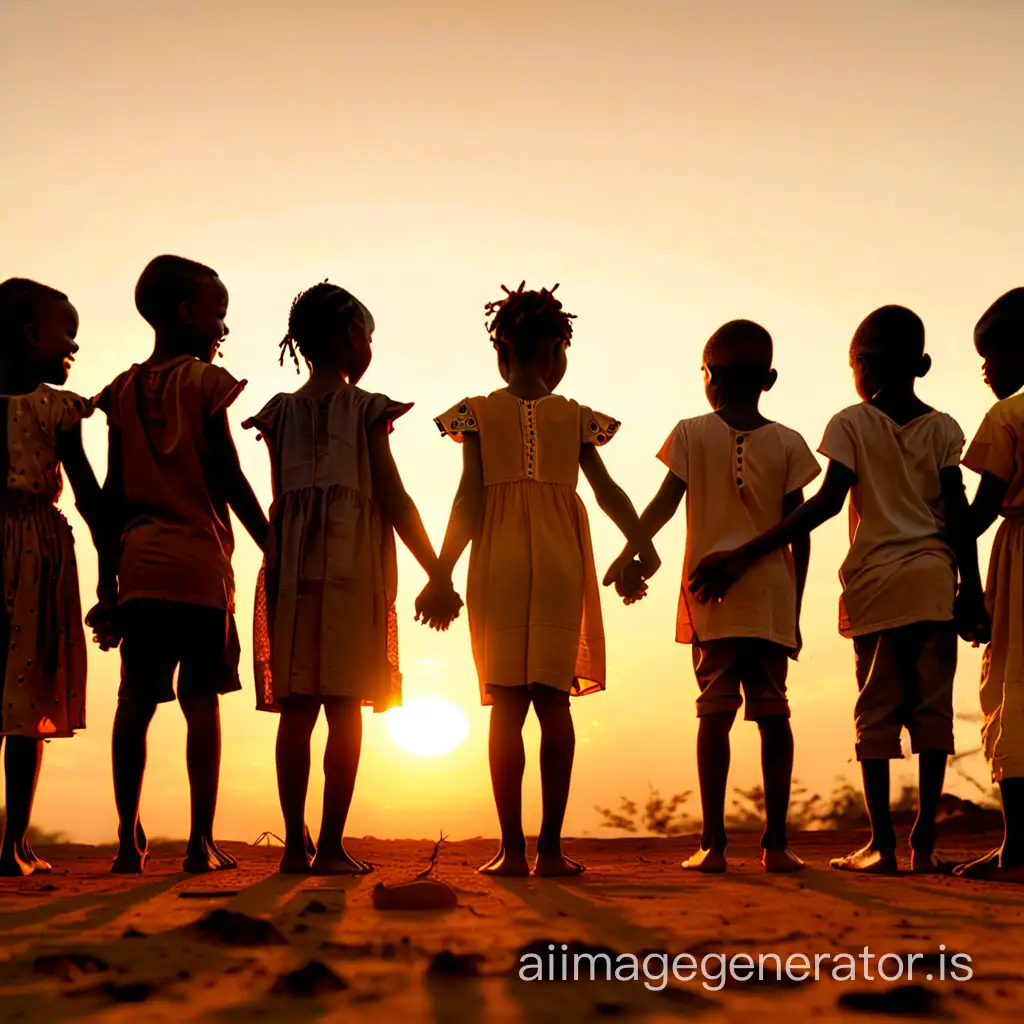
column 430, row 726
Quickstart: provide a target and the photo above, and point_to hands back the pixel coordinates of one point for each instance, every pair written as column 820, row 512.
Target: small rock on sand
column 315, row 979
column 231, row 928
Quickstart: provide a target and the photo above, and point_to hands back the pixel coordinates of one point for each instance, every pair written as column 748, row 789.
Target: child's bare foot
column 509, row 863
column 13, row 864
column 203, row 856
column 310, row 845
column 39, row 866
column 781, row 861
column 710, row 862
column 928, row 864
column 557, row 865
column 867, row 861
column 991, row 868
column 294, row 862
column 338, row 862
column 127, row 861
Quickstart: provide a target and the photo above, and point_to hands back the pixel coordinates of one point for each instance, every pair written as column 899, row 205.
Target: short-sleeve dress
column 42, row 686
column 325, row 623
column 532, row 596
column 998, row 448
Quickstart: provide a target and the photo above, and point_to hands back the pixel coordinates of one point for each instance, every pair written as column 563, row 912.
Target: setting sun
column 429, row 726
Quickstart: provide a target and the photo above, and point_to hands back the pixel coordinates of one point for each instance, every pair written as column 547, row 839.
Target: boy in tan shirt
column 909, row 537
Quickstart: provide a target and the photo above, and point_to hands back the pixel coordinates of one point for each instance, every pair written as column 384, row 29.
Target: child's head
column 185, row 301
column 38, row 326
column 999, row 339
column 737, row 364
column 331, row 329
column 530, row 329
column 888, row 351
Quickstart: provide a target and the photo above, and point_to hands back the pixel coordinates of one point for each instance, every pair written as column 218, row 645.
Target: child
column 532, row 594
column 997, row 453
column 908, row 537
column 329, row 637
column 741, row 474
column 42, row 643
column 172, row 475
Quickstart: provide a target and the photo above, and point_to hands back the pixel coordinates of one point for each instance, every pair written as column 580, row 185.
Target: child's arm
column 988, row 501
column 718, row 572
column 397, row 506
column 464, row 519
column 801, row 548
column 662, row 507
column 237, row 490
column 615, row 504
column 972, row 619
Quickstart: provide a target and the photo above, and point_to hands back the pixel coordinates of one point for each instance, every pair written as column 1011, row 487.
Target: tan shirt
column 177, row 543
column 998, row 448
column 736, row 482
column 900, row 568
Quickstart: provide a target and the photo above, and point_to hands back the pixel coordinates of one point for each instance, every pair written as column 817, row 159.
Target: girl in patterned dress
column 42, row 642
column 326, row 631
column 532, row 593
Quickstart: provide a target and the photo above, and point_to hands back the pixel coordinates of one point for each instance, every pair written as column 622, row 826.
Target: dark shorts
column 728, row 666
column 161, row 636
column 905, row 678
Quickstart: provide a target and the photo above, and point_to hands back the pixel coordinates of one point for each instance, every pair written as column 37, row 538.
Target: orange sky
column 673, row 164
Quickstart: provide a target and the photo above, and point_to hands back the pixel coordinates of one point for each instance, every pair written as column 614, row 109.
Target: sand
column 82, row 945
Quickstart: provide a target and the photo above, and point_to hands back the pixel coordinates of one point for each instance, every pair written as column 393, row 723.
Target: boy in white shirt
column 741, row 475
column 909, row 536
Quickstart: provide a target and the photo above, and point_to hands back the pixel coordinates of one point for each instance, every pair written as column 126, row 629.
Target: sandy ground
column 82, row 945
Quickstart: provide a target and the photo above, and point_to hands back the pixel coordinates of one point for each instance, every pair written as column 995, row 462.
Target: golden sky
column 673, row 164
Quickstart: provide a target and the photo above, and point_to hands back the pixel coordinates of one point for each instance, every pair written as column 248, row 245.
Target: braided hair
column 317, row 316
column 20, row 299
column 524, row 320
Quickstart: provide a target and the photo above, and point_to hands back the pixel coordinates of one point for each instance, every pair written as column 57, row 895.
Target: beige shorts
column 728, row 666
column 905, row 677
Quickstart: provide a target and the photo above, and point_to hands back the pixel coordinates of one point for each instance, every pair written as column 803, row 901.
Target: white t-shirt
column 736, row 481
column 900, row 568
column 998, row 448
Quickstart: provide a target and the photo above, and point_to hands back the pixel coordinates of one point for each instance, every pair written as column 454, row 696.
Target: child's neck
column 323, row 380
column 166, row 346
column 899, row 403
column 18, row 379
column 742, row 415
column 526, row 383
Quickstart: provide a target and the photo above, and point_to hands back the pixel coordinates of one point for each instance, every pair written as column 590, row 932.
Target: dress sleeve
column 71, row 410
column 675, row 452
column 380, row 407
column 839, row 443
column 265, row 421
column 219, row 389
column 458, row 420
column 801, row 465
column 953, row 445
column 107, row 402
column 595, row 427
column 994, row 447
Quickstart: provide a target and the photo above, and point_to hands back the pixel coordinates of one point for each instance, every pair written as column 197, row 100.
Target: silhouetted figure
column 329, row 634
column 741, row 474
column 532, row 594
column 172, row 475
column 997, row 453
column 42, row 643
column 909, row 534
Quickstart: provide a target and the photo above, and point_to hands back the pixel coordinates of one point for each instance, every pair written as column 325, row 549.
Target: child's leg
column 508, row 762
column 713, row 757
column 202, row 759
column 23, row 756
column 341, row 762
column 131, row 724
column 777, row 772
column 557, row 751
column 298, row 717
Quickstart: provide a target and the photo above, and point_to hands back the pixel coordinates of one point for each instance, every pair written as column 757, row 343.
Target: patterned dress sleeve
column 994, row 447
column 457, row 421
column 595, row 427
column 219, row 389
column 70, row 410
column 381, row 408
column 266, row 420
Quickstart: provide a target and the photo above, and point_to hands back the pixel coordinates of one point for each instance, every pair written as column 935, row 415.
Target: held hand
column 106, row 630
column 438, row 605
column 716, row 573
column 631, row 585
column 616, row 569
column 972, row 619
